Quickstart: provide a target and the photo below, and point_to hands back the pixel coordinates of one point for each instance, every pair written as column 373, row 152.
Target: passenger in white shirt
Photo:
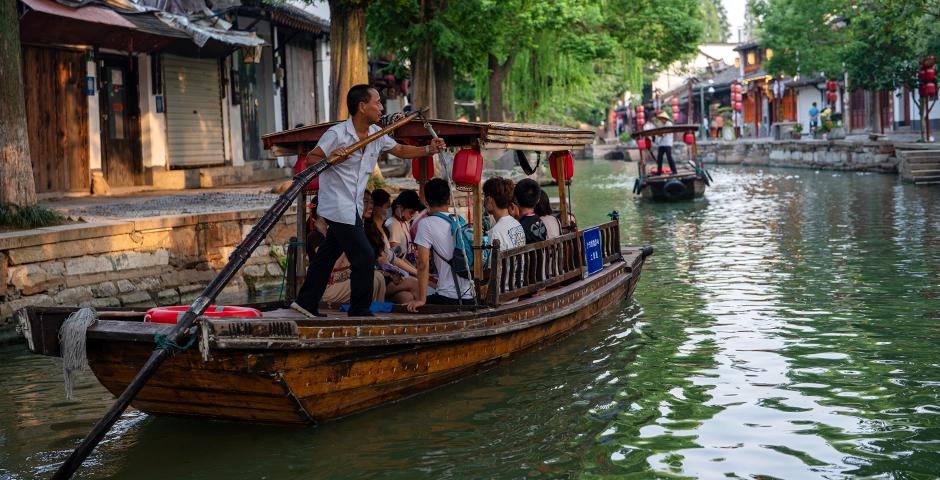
column 434, row 239
column 497, row 196
column 341, row 188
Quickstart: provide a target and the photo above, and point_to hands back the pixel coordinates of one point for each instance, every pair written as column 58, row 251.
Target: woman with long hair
column 399, row 286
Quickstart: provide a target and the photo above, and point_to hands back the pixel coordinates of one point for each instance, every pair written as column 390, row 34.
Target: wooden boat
column 687, row 183
column 285, row 368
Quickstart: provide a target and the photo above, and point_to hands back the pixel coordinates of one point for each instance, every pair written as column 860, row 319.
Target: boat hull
column 660, row 191
column 317, row 376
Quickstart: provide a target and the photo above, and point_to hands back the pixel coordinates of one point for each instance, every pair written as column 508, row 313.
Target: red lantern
column 404, row 86
column 643, row 144
column 735, row 88
column 675, row 110
column 738, row 106
column 688, row 138
column 299, row 166
column 640, row 122
column 639, row 109
column 831, row 85
column 389, row 77
column 565, row 158
column 929, row 74
column 675, row 102
column 737, row 97
column 427, row 163
column 468, row 167
column 930, row 89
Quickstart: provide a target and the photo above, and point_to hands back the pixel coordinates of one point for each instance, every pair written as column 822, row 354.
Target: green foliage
column 570, row 59
column 715, row 26
column 802, row 40
column 33, row 216
column 880, row 45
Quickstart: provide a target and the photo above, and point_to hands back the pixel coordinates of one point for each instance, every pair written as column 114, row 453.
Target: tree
column 17, row 186
column 753, row 18
column 349, row 63
column 715, row 26
column 802, row 38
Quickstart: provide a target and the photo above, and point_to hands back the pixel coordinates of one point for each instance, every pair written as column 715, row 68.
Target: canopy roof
column 653, row 132
column 516, row 136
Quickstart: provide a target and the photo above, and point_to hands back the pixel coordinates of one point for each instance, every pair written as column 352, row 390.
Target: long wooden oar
column 185, row 329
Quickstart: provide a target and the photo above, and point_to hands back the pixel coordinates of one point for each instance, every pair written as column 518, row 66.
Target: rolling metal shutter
column 193, row 111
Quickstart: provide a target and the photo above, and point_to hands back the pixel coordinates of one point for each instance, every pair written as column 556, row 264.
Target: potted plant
column 796, row 131
column 837, row 130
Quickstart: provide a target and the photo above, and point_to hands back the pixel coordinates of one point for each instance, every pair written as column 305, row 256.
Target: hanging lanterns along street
column 566, row 159
column 675, row 102
column 832, row 91
column 422, row 168
column 688, row 138
column 468, row 168
column 738, row 106
column 928, row 77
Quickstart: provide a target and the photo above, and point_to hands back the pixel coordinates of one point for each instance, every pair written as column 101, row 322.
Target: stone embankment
column 164, row 260
column 871, row 156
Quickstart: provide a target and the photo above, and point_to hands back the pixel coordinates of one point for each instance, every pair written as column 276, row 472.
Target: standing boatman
column 340, row 200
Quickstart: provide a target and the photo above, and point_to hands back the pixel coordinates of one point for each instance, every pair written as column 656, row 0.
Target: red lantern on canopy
column 565, row 158
column 675, row 102
column 299, row 166
column 929, row 74
column 416, row 168
column 468, row 168
column 688, row 138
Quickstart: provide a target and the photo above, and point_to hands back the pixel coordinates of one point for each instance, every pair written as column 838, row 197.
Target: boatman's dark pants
column 351, row 240
column 659, row 159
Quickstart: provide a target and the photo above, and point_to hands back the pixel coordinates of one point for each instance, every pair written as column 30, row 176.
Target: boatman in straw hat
column 664, row 144
column 340, row 200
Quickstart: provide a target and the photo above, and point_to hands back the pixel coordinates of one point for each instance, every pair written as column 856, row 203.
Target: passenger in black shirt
column 527, row 196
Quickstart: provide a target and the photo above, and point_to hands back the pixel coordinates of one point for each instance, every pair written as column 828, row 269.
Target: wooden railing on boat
column 525, row 270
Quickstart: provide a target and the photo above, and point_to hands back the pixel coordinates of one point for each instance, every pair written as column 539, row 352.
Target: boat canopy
column 655, row 132
column 516, row 136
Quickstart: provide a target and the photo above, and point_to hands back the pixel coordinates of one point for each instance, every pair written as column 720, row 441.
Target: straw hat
column 663, row 116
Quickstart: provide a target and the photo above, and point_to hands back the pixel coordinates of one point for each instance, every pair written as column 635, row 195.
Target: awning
column 49, row 23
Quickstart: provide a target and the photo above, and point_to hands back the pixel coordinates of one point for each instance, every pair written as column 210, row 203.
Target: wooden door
column 120, row 122
column 858, row 110
column 249, row 84
column 57, row 118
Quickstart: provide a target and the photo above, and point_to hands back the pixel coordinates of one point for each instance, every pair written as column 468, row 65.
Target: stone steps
column 919, row 166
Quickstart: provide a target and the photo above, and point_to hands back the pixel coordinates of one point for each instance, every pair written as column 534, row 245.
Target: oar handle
column 185, row 326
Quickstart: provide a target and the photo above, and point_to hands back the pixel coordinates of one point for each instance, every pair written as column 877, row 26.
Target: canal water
column 788, row 326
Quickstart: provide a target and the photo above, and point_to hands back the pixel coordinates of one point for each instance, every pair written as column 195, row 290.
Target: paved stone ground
column 180, row 202
column 154, row 204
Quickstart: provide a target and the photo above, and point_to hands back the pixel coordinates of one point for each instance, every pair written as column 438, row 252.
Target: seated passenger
column 527, row 196
column 404, row 208
column 544, row 210
column 434, row 239
column 399, row 286
column 497, row 197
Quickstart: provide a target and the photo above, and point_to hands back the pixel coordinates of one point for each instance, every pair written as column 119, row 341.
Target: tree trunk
column 349, row 63
column 498, row 74
column 423, row 73
column 444, row 88
column 17, row 185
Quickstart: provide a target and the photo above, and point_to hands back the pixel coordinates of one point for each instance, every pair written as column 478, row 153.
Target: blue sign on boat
column 593, row 255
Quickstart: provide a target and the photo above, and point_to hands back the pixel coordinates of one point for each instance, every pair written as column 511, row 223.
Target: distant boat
column 687, row 183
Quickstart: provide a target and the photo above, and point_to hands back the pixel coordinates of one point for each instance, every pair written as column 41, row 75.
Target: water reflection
column 787, row 327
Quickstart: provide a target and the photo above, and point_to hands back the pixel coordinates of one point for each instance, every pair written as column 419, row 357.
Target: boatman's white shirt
column 342, row 186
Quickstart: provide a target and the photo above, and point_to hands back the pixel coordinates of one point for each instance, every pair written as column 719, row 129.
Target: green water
column 787, row 327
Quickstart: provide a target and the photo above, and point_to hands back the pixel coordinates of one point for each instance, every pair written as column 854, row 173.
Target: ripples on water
column 787, row 327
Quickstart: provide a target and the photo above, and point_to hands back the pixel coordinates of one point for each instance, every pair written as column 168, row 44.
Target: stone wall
column 818, row 154
column 135, row 263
